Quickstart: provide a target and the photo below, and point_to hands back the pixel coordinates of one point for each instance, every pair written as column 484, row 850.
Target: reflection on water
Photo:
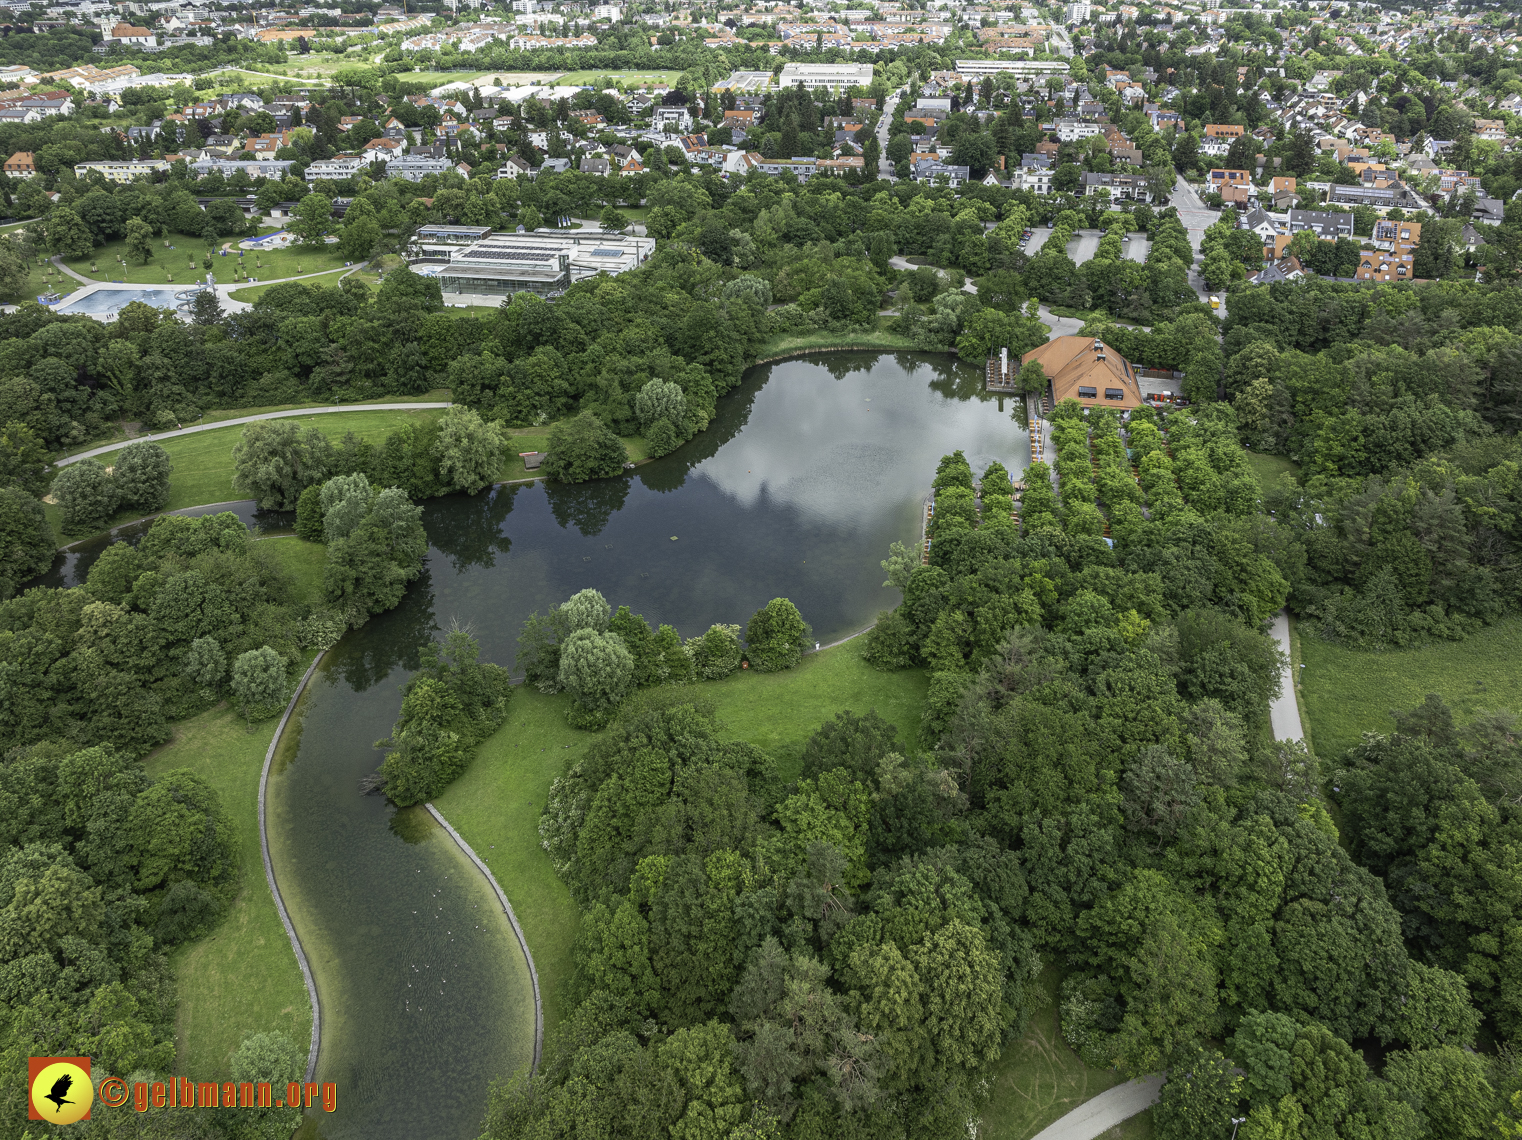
column 425, row 994
column 72, row 565
column 810, row 470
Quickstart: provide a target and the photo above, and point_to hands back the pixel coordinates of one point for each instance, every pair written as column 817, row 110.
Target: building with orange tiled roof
column 1087, row 370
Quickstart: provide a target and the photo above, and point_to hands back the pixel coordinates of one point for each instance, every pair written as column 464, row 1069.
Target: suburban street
column 884, row 167
column 1195, row 218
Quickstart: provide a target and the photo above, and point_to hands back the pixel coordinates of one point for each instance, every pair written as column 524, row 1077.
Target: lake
column 810, row 470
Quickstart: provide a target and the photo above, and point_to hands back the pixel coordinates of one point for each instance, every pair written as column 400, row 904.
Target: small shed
column 531, row 459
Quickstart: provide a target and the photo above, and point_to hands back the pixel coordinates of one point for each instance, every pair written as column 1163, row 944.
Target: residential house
column 1219, row 178
column 671, row 119
column 596, row 164
column 414, row 167
column 1326, row 225
column 1395, row 259
column 22, row 164
column 930, row 170
column 1128, row 187
column 338, row 167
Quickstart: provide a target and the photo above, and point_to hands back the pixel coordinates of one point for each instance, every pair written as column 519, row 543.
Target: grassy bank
column 497, row 803
column 203, row 469
column 40, row 279
column 1347, row 692
column 242, row 978
column 878, row 338
column 217, row 415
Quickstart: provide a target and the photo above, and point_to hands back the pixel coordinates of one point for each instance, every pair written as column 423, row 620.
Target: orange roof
column 1074, row 363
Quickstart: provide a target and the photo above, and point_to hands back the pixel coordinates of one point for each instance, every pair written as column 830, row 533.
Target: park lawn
column 436, row 396
column 1038, row 1078
column 242, row 978
column 41, row 279
column 175, row 262
column 1347, row 692
column 252, row 293
column 203, row 466
column 878, row 338
column 305, row 561
column 1268, row 468
column 780, row 711
column 496, row 804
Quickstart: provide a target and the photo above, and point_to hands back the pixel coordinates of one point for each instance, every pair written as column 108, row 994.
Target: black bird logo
column 60, row 1091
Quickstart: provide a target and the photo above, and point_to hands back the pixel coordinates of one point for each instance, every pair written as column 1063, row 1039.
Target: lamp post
column 1235, row 1122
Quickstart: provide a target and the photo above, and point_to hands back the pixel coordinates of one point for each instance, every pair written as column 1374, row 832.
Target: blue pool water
column 108, row 300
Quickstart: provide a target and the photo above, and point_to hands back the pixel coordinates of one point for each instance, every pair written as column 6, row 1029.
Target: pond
column 810, row 470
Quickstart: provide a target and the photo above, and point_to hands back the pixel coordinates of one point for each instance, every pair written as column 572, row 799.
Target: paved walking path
column 1097, row 1116
column 155, row 438
column 1284, row 713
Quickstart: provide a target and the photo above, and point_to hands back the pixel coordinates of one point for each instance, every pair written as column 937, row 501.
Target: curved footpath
column 1098, row 1115
column 269, row 873
column 151, row 438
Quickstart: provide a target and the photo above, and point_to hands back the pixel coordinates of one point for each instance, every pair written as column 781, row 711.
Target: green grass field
column 252, row 293
column 780, row 711
column 203, row 469
column 1038, row 1078
column 41, row 279
column 1268, row 468
column 216, row 415
column 1346, row 692
column 242, row 978
column 175, row 263
column 497, row 803
column 305, row 561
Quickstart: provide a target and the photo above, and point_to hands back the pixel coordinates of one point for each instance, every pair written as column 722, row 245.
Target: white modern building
column 416, row 167
column 831, row 75
column 1024, row 68
column 545, row 262
column 338, row 167
column 1076, row 13
column 121, row 171
column 257, row 168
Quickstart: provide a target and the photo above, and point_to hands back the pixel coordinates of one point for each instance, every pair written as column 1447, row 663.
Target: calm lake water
column 810, row 470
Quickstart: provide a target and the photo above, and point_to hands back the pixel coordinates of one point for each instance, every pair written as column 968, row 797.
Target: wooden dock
column 1000, row 374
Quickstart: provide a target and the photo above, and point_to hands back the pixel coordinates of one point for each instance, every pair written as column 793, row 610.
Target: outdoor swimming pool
column 109, row 300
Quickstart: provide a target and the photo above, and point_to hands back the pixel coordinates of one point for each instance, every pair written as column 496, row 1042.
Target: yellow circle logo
column 62, row 1093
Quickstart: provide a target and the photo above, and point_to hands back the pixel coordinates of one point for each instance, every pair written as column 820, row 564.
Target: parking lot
column 1085, row 244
